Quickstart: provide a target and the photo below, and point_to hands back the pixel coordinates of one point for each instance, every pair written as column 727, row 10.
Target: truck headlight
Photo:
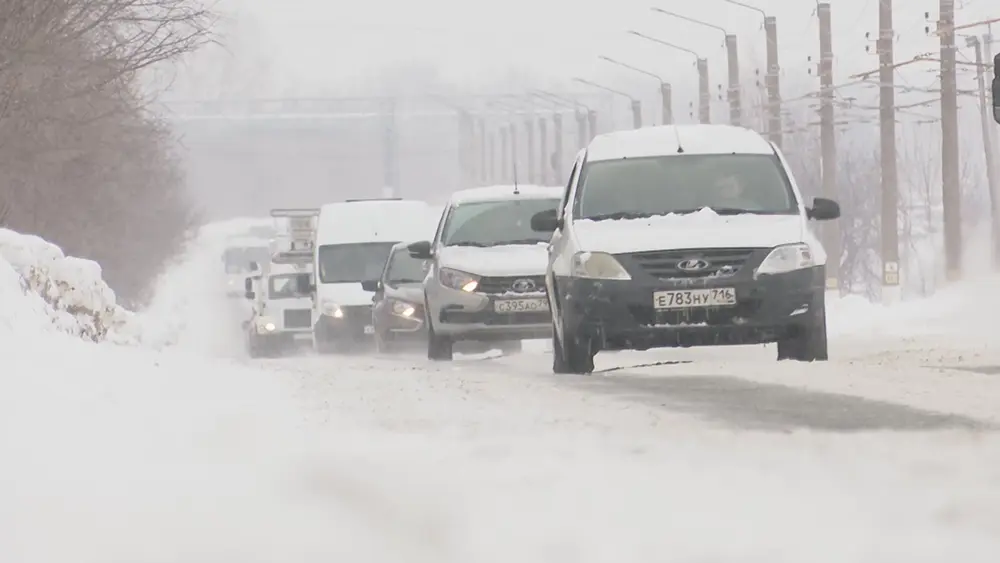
column 456, row 279
column 786, row 258
column 598, row 266
column 331, row 309
column 265, row 324
column 403, row 309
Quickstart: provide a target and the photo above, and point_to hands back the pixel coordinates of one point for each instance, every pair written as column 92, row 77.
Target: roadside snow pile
column 39, row 284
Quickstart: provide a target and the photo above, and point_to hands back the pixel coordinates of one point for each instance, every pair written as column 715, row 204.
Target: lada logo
column 693, row 265
column 523, row 285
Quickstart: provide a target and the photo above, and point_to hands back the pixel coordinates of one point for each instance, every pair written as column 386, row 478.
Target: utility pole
column 491, row 162
column 636, row 114
column 704, row 92
column 390, row 164
column 735, row 103
column 504, row 174
column 591, row 126
column 773, row 80
column 667, row 95
column 581, row 128
column 991, row 173
column 828, row 143
column 951, row 196
column 465, row 150
column 515, row 174
column 529, row 138
column 890, row 174
column 996, row 88
column 481, row 136
column 543, row 151
column 557, row 145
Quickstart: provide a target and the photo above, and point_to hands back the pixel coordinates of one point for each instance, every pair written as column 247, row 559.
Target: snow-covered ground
column 175, row 447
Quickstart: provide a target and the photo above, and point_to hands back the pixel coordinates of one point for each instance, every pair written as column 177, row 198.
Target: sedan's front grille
column 512, row 284
column 298, row 318
column 668, row 264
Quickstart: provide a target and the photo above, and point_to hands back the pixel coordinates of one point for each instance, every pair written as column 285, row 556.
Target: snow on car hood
column 507, row 260
column 702, row 229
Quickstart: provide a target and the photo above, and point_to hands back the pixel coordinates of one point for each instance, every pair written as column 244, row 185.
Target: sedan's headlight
column 786, row 258
column 456, row 279
column 403, row 309
column 598, row 266
column 331, row 309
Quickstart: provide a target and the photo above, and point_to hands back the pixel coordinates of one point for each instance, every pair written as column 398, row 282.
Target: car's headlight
column 598, row 266
column 331, row 309
column 403, row 309
column 456, row 279
column 786, row 258
column 265, row 324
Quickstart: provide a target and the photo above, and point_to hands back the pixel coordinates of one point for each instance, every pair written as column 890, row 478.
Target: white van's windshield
column 645, row 187
column 495, row 223
column 352, row 263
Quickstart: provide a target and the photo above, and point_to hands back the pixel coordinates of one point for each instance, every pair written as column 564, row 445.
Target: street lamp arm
column 665, row 43
column 566, row 101
column 605, row 88
column 747, row 6
column 690, row 19
column 632, row 68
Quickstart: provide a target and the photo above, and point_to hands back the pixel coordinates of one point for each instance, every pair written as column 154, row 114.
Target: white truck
column 282, row 292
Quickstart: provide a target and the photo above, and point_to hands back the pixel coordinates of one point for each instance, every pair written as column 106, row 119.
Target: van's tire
column 576, row 356
column 810, row 343
column 439, row 348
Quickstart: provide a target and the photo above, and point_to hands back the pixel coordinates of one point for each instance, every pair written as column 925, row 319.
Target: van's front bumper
column 355, row 325
column 620, row 314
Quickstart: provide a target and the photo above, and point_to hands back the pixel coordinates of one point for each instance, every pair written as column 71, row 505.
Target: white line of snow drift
column 168, row 450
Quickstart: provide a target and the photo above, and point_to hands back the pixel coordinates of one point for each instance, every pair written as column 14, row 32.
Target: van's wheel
column 439, row 348
column 575, row 356
column 810, row 344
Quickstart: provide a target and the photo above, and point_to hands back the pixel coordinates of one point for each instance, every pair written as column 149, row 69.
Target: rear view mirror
column 420, row 250
column 370, row 285
column 996, row 88
column 823, row 209
column 546, row 221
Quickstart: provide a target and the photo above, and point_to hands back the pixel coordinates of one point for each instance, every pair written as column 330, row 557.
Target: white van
column 353, row 241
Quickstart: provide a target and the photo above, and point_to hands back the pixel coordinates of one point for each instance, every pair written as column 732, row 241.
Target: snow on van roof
column 662, row 141
column 499, row 193
column 375, row 221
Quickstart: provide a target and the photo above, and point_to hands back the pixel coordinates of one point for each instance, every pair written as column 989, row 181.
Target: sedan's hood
column 704, row 229
column 409, row 292
column 508, row 260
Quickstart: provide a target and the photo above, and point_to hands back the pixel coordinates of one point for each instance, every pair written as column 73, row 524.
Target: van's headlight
column 598, row 266
column 265, row 324
column 331, row 309
column 456, row 279
column 403, row 309
column 786, row 258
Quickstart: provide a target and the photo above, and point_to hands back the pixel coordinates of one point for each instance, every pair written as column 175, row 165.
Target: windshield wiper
column 404, row 280
column 518, row 241
column 468, row 243
column 620, row 215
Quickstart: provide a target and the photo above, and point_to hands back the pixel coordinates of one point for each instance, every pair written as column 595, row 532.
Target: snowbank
column 43, row 289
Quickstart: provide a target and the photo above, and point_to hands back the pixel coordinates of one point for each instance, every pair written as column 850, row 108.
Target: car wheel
column 439, row 348
column 576, row 355
column 810, row 344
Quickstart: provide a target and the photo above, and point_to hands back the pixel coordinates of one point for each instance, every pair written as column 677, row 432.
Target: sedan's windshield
column 495, row 223
column 404, row 268
column 349, row 263
column 644, row 187
column 289, row 286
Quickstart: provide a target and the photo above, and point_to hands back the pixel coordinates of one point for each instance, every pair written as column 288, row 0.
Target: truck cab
column 281, row 294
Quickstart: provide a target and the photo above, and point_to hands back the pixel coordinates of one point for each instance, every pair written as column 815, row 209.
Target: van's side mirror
column 823, row 209
column 546, row 221
column 249, row 295
column 996, row 88
column 420, row 250
column 371, row 285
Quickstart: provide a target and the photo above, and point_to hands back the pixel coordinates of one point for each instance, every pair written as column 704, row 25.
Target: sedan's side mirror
column 420, row 250
column 546, row 221
column 823, row 209
column 371, row 285
column 996, row 88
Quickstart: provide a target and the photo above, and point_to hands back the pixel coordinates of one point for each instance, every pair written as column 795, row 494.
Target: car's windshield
column 289, row 286
column 238, row 259
column 348, row 263
column 495, row 223
column 644, row 187
column 404, row 268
